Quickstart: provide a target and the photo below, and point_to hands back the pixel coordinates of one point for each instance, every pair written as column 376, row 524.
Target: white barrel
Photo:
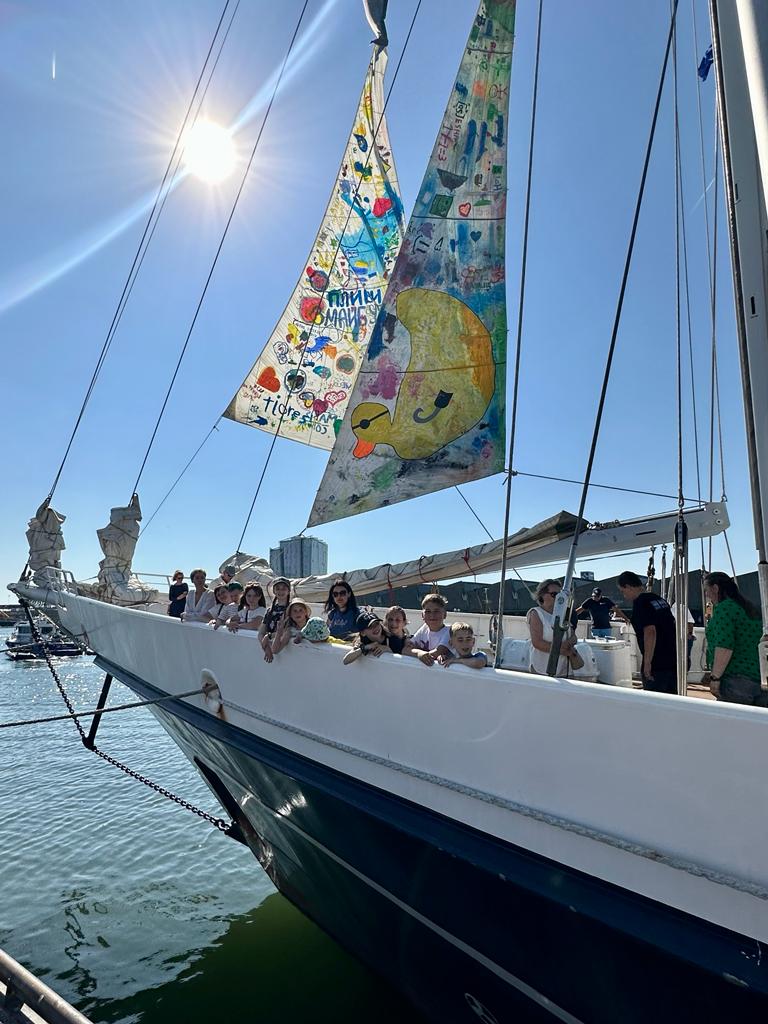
column 516, row 654
column 589, row 671
column 614, row 660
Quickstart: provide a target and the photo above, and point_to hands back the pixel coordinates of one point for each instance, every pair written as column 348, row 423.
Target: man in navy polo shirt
column 599, row 609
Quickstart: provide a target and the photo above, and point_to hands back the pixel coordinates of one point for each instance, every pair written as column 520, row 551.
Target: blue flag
column 706, row 63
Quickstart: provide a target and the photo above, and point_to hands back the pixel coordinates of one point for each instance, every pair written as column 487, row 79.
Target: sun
column 209, row 152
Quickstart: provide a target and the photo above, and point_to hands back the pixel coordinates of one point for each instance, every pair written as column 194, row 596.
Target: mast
column 740, row 47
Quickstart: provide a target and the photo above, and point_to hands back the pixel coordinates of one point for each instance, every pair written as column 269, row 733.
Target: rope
column 492, row 539
column 139, row 256
column 731, row 194
column 493, row 799
column 605, row 487
column 712, row 272
column 714, row 385
column 228, row 828
column 681, row 531
column 390, row 588
column 167, row 494
column 100, row 711
column 651, row 573
column 219, row 248
column 711, row 263
column 686, row 277
column 488, row 533
column 730, row 556
column 620, row 301
column 678, row 333
column 465, row 558
column 327, row 281
column 518, row 340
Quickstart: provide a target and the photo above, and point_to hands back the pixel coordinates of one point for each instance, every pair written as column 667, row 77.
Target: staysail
column 301, row 382
column 427, row 411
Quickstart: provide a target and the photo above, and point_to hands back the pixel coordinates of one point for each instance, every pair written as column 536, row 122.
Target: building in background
column 297, row 557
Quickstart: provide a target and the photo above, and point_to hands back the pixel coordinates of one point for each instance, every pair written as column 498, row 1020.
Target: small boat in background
column 21, row 645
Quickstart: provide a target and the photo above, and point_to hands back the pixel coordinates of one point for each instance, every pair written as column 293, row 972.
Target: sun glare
column 209, row 153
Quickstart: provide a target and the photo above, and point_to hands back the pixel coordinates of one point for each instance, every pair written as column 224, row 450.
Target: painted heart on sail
column 327, row 324
column 427, row 410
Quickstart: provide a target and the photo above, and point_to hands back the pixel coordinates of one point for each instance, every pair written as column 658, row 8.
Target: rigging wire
column 689, row 329
column 678, row 335
column 138, row 257
column 678, row 332
column 681, row 528
column 77, row 715
column 488, row 533
column 625, row 275
column 184, row 347
column 492, row 538
column 730, row 188
column 518, row 341
column 327, row 280
column 179, row 156
column 714, row 401
column 712, row 278
column 559, row 610
column 167, row 494
column 605, row 487
column 705, row 199
column 219, row 419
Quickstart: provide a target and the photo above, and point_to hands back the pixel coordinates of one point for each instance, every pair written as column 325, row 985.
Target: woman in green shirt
column 733, row 636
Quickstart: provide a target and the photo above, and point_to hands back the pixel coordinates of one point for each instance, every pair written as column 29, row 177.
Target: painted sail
column 427, row 411
column 300, row 385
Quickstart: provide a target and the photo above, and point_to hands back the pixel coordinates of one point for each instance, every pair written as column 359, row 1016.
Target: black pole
column 90, row 740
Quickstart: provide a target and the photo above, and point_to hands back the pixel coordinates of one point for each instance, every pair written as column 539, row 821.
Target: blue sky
column 83, row 151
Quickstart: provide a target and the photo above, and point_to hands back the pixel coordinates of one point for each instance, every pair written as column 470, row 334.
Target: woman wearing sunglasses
column 342, row 610
column 540, row 622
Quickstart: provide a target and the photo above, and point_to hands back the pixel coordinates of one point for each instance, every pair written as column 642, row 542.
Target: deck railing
column 21, row 991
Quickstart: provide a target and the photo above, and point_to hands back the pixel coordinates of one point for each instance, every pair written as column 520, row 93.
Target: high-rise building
column 297, row 557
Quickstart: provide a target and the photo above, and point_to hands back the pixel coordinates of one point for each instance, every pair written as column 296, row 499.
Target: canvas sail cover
column 544, row 543
column 300, row 384
column 46, row 542
column 427, row 411
column 117, row 582
column 481, row 558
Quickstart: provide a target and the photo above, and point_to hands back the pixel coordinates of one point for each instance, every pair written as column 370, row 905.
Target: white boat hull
column 654, row 799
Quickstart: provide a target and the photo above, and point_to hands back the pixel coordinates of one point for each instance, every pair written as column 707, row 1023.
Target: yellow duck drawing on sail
column 452, row 354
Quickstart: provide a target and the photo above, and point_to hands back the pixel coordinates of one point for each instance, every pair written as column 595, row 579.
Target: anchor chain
column 227, row 827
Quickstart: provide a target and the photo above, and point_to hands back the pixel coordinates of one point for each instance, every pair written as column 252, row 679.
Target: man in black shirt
column 599, row 609
column 654, row 627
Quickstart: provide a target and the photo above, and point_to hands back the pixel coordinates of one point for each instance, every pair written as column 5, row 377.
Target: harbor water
column 129, row 906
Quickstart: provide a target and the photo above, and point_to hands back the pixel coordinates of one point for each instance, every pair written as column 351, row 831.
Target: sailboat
column 500, row 845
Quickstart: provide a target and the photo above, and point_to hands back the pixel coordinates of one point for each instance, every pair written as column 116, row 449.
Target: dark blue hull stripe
column 512, row 913
column 500, row 972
